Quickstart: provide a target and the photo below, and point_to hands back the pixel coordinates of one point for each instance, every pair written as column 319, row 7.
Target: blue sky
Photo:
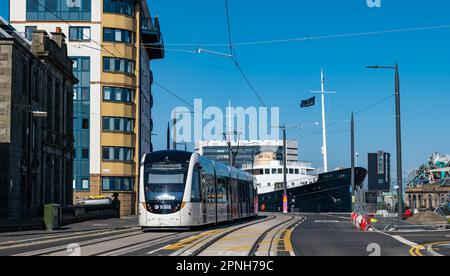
column 284, row 73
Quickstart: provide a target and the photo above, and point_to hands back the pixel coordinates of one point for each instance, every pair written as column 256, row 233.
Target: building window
column 115, row 124
column 29, row 32
column 117, row 154
column 85, row 124
column 118, row 65
column 85, row 184
column 119, row 184
column 117, row 35
column 125, row 7
column 85, row 153
column 117, row 94
column 57, row 10
column 81, row 120
column 79, row 33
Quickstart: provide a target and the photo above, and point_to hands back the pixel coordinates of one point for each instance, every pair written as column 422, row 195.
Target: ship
column 327, row 192
column 307, row 192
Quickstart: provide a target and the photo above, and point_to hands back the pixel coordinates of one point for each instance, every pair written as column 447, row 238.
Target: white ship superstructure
column 269, row 173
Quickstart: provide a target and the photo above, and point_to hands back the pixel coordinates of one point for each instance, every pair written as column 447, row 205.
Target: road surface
column 269, row 235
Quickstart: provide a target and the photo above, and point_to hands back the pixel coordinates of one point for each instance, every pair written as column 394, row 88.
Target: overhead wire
column 318, row 37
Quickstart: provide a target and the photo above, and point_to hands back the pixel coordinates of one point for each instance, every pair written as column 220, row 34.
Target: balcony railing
column 152, row 38
column 151, row 30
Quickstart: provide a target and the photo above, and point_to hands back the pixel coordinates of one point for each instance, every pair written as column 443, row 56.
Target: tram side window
column 196, row 191
column 209, row 182
column 222, row 193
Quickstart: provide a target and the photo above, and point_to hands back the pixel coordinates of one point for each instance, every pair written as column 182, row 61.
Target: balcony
column 152, row 38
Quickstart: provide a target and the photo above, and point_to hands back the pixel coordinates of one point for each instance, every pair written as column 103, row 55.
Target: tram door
column 251, row 199
column 243, row 194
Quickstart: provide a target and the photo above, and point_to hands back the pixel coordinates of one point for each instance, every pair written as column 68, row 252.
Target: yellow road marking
column 411, row 252
column 417, row 250
column 287, row 240
column 186, row 242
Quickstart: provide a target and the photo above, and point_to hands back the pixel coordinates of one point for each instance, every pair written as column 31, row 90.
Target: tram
column 180, row 189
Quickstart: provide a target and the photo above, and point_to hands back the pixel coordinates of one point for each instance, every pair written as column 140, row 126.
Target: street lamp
column 398, row 129
column 285, row 196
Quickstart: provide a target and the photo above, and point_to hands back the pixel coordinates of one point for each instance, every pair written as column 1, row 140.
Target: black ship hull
column 330, row 194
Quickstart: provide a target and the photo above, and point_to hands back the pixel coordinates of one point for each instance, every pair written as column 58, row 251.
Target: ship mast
column 324, row 126
column 324, row 121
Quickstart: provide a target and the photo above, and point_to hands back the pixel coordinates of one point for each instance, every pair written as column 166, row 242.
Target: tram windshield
column 165, row 183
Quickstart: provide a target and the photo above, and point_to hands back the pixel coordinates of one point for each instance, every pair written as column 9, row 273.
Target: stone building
column 428, row 196
column 430, row 189
column 36, row 123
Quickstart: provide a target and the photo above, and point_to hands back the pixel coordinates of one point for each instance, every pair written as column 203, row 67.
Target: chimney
column 59, row 37
column 38, row 43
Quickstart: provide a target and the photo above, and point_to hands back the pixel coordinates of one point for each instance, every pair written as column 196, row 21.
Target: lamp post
column 285, row 197
column 398, row 132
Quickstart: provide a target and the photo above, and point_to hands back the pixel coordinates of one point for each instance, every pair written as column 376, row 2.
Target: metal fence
column 382, row 215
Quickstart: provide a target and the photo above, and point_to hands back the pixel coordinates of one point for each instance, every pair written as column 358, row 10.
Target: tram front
column 162, row 187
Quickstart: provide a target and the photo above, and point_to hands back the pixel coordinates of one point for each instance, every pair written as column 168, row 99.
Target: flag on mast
column 308, row 103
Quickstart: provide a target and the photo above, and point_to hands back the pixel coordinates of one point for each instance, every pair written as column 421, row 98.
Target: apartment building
column 111, row 43
column 246, row 151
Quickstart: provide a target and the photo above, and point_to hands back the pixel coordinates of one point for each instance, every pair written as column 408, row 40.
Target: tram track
column 261, row 238
column 125, row 248
column 194, row 243
column 130, row 248
column 206, row 242
column 61, row 237
column 60, row 248
column 227, row 233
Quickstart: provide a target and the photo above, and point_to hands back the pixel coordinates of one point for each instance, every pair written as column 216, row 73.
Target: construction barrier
column 361, row 222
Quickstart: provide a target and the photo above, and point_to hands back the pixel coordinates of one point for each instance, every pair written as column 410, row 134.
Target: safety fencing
column 361, row 222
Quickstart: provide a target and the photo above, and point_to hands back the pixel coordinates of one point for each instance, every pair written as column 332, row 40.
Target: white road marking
column 154, row 251
column 405, row 241
column 432, row 252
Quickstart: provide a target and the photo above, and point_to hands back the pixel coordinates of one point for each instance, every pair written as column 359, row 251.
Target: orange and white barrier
column 361, row 222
